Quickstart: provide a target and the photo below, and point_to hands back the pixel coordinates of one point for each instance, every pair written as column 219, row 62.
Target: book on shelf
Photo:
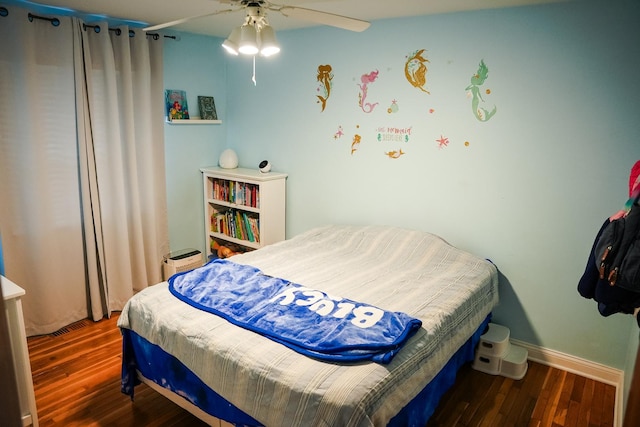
column 176, row 104
column 207, row 108
column 237, row 224
column 239, row 193
column 247, row 226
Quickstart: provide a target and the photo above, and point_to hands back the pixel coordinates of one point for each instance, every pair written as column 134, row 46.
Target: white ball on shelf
column 228, row 159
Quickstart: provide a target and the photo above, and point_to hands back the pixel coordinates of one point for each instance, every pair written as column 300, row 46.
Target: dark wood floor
column 76, row 375
column 546, row 397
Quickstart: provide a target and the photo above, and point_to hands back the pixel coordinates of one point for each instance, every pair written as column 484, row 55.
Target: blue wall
column 530, row 189
column 193, row 63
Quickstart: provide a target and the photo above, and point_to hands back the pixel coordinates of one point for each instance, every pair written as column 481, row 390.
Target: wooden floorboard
column 76, row 376
column 546, row 397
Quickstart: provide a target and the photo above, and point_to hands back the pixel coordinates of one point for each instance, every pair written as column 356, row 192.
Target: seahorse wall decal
column 365, row 80
column 324, row 77
column 415, row 70
column 478, row 80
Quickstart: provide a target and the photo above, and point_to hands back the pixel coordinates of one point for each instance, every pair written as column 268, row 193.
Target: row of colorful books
column 235, row 223
column 240, row 193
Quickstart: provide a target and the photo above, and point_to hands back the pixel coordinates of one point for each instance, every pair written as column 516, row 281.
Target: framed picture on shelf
column 176, row 104
column 207, row 108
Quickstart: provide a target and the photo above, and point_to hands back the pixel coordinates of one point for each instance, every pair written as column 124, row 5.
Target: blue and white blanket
column 316, row 324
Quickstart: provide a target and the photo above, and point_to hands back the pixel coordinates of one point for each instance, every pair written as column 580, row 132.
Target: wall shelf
column 193, row 121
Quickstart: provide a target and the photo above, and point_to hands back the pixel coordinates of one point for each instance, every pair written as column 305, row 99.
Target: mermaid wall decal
column 415, row 70
column 355, row 143
column 395, row 154
column 324, row 77
column 478, row 80
column 366, row 80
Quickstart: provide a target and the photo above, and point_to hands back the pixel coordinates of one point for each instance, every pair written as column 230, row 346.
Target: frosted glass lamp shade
column 231, row 44
column 268, row 43
column 248, row 44
column 228, row 159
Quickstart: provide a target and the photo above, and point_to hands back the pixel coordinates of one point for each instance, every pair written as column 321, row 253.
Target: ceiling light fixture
column 231, row 44
column 268, row 43
column 255, row 35
column 248, row 40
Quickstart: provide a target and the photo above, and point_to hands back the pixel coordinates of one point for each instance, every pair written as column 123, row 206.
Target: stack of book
column 238, row 224
column 239, row 193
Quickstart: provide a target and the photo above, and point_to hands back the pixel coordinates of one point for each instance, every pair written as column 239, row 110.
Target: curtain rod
column 156, row 36
column 96, row 28
column 132, row 33
column 54, row 21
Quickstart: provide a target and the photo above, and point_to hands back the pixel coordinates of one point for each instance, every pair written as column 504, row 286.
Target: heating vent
column 72, row 327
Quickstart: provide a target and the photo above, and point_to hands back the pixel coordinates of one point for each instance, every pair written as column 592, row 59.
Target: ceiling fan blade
column 183, row 20
column 325, row 18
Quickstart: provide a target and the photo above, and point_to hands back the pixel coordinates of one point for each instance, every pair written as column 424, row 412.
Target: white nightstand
column 12, row 295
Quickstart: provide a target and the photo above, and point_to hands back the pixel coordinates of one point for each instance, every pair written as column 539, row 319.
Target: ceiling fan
column 256, row 10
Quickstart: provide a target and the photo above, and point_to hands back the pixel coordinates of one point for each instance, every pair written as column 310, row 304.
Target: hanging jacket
column 610, row 299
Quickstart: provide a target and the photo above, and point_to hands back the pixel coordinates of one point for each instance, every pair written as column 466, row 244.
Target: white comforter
column 415, row 272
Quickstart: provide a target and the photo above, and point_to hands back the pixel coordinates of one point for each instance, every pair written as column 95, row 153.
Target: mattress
column 451, row 291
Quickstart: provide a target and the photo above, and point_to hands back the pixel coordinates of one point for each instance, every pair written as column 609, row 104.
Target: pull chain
column 253, row 79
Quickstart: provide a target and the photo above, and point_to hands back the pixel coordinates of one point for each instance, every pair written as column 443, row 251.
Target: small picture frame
column 207, row 107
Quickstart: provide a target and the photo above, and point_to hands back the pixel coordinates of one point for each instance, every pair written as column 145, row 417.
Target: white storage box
column 515, row 365
column 495, row 342
column 487, row 364
column 496, row 355
column 179, row 261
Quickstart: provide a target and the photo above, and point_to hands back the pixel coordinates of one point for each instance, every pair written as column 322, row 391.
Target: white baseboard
column 582, row 367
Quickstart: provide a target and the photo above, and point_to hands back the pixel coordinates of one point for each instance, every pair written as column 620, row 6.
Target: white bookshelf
column 239, row 199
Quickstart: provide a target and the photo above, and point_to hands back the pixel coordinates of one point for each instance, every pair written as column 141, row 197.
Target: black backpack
column 617, row 252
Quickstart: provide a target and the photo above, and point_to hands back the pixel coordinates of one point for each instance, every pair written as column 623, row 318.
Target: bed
column 219, row 370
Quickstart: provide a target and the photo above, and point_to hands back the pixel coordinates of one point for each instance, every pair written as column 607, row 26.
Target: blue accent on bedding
column 419, row 410
column 309, row 321
column 167, row 371
column 164, row 369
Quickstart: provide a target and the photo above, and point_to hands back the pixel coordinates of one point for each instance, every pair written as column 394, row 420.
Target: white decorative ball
column 228, row 159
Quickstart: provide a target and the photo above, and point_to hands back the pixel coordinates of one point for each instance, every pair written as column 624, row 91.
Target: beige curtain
column 121, row 162
column 40, row 217
column 82, row 187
